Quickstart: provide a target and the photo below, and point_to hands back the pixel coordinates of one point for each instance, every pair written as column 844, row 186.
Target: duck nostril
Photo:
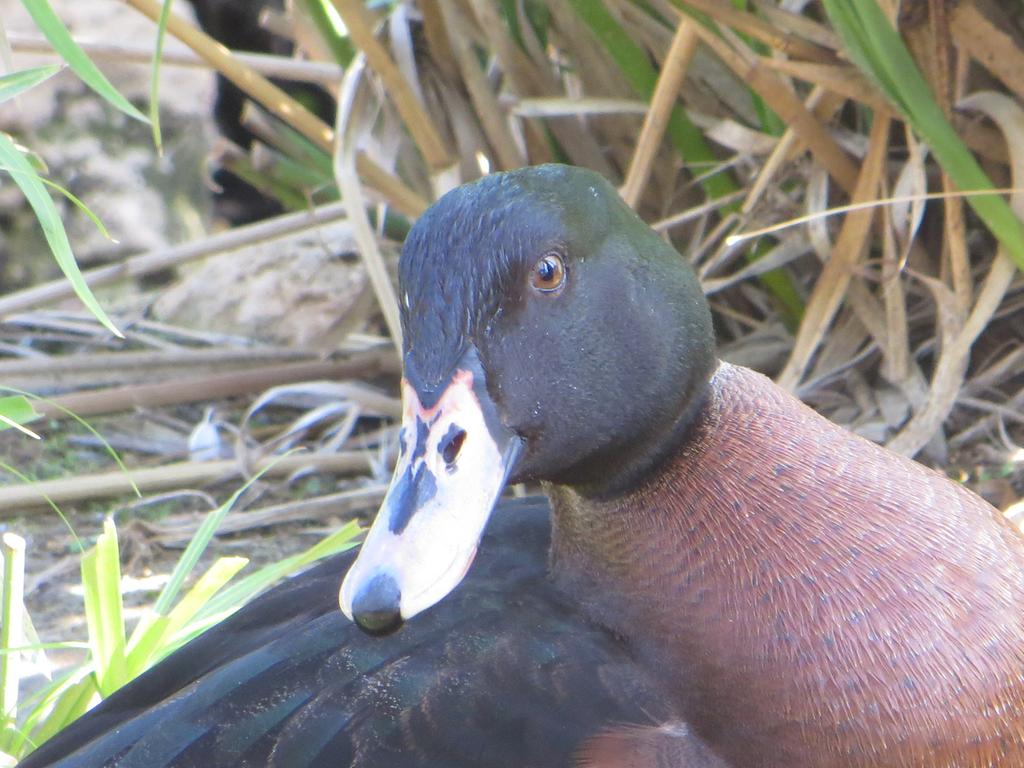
column 451, row 444
column 377, row 606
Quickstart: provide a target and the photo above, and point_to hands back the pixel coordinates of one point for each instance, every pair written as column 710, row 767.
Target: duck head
column 549, row 334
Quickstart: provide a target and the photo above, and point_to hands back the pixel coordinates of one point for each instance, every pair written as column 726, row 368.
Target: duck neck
column 606, row 536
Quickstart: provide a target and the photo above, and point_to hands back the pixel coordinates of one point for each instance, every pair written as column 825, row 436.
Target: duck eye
column 548, row 274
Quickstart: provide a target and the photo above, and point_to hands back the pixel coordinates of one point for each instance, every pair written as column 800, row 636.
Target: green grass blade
column 54, row 30
column 18, row 82
column 153, row 643
column 301, row 150
column 71, row 702
column 15, row 163
column 635, row 65
column 80, row 205
column 108, row 573
column 328, row 23
column 55, row 705
column 145, row 642
column 876, row 47
column 15, row 412
column 53, row 505
column 535, row 13
column 236, row 595
column 104, row 610
column 196, row 546
column 11, row 623
column 770, row 122
column 242, row 167
column 90, row 592
column 154, row 80
column 209, row 584
column 39, row 167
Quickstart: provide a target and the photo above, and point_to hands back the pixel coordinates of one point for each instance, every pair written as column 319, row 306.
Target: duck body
column 732, row 580
column 505, row 673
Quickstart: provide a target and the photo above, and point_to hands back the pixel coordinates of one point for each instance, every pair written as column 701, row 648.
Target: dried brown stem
column 97, row 368
column 673, row 73
column 299, row 70
column 787, row 105
column 835, row 277
column 180, row 532
column 196, row 389
column 181, row 475
column 359, row 24
column 172, row 256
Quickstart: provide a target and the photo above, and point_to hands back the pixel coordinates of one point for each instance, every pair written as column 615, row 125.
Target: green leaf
column 55, row 31
column 104, row 610
column 150, row 641
column 77, row 202
column 19, row 82
column 236, row 595
column 69, row 699
column 12, row 614
column 15, row 163
column 875, row 46
column 195, row 548
column 154, row 80
column 144, row 644
column 53, row 505
column 85, row 425
column 328, row 23
column 17, row 410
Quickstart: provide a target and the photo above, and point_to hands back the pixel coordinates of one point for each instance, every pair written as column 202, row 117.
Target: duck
column 715, row 577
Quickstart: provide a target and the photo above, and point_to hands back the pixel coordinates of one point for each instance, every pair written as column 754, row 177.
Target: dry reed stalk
column 673, row 73
column 175, row 255
column 181, row 475
column 784, row 102
column 266, row 64
column 954, row 357
column 174, row 391
column 527, row 78
column 248, row 80
column 742, row 21
column 831, row 285
column 178, row 532
column 359, row 24
column 841, row 79
column 70, row 371
column 993, row 47
column 783, row 152
column 350, row 124
column 491, row 115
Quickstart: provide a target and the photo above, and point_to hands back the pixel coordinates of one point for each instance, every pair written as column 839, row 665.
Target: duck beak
column 454, row 461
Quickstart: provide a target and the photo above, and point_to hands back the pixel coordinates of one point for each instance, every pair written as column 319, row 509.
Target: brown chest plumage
column 821, row 602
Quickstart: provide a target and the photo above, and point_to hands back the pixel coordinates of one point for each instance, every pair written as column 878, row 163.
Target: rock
column 307, row 290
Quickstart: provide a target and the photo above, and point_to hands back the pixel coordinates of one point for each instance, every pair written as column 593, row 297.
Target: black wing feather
column 503, row 672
